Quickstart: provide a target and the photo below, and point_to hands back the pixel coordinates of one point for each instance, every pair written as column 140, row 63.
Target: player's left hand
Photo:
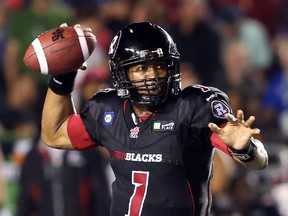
column 237, row 132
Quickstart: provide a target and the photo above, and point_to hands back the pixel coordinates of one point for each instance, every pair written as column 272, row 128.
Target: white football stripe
column 83, row 43
column 40, row 56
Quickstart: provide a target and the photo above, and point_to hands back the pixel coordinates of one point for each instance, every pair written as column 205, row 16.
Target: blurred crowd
column 238, row 46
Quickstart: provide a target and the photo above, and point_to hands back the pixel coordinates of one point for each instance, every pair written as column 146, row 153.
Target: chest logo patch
column 164, row 126
column 134, row 132
column 108, row 118
column 219, row 109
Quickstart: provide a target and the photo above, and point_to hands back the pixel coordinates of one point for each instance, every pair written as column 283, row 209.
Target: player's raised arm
column 237, row 134
column 59, row 52
column 56, row 111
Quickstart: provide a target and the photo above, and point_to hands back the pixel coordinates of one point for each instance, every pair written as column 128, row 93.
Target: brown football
column 59, row 51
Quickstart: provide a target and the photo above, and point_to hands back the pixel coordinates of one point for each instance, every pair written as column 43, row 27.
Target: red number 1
column 140, row 180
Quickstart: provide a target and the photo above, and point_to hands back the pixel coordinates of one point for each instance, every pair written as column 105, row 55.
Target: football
column 60, row 50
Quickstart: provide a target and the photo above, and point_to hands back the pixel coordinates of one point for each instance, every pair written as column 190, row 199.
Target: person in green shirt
column 23, row 26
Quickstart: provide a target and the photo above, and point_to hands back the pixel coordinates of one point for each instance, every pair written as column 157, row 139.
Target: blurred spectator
column 2, row 181
column 14, row 4
column 149, row 11
column 170, row 6
column 239, row 72
column 92, row 18
column 19, row 114
column 244, row 197
column 116, row 14
column 237, row 62
column 240, row 82
column 24, row 25
column 224, row 169
column 82, row 5
column 23, row 95
column 279, row 183
column 17, row 135
column 90, row 84
column 233, row 24
column 57, row 182
column 275, row 97
column 266, row 14
column 282, row 21
column 204, row 55
column 3, row 41
column 19, row 129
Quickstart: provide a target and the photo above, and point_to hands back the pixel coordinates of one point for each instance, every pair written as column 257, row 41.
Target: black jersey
column 147, row 158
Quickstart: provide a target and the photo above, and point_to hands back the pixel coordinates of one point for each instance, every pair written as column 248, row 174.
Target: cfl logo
column 58, row 34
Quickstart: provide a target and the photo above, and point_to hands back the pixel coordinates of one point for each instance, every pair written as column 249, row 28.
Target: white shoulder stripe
column 40, row 56
column 83, row 43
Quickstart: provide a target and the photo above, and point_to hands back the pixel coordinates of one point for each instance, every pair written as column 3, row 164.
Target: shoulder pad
column 207, row 91
column 105, row 94
column 218, row 101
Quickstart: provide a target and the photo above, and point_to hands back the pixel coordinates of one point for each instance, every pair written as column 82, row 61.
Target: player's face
column 147, row 76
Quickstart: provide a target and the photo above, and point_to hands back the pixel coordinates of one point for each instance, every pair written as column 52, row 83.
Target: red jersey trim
column 217, row 142
column 192, row 197
column 78, row 135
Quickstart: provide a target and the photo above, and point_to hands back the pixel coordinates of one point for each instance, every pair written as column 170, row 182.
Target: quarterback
column 161, row 139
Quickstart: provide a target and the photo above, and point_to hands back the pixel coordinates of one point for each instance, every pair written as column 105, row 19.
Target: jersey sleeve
column 206, row 104
column 78, row 135
column 220, row 106
column 99, row 112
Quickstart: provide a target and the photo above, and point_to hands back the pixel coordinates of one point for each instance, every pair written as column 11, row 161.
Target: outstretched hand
column 237, row 132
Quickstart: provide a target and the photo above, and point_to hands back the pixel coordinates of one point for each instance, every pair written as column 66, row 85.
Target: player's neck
column 141, row 112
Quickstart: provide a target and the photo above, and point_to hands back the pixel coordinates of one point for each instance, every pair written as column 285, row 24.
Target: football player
column 161, row 139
